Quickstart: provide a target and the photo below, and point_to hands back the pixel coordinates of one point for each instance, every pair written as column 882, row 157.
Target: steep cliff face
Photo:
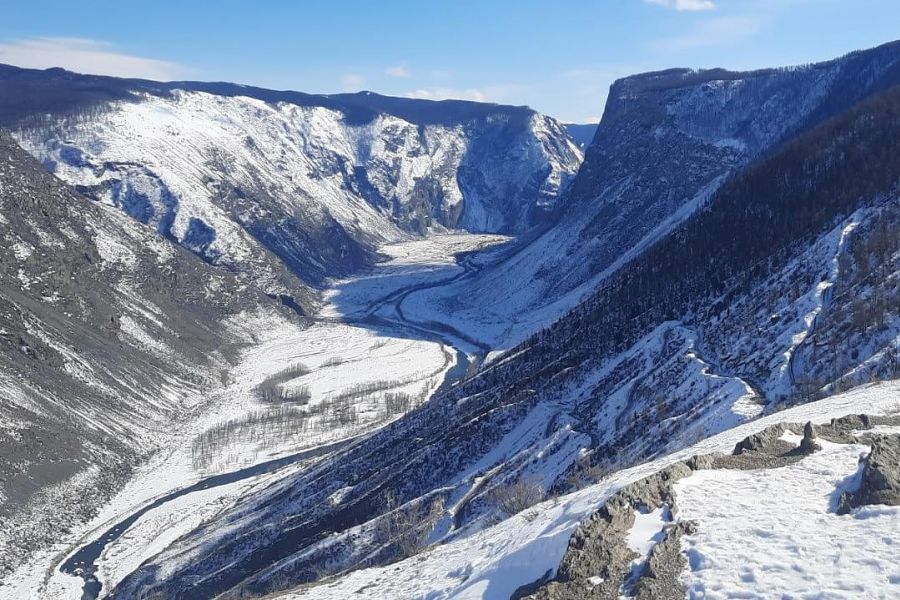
column 109, row 334
column 666, row 142
column 320, row 181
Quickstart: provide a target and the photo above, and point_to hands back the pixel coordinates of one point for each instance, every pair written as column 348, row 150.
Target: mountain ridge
column 623, row 199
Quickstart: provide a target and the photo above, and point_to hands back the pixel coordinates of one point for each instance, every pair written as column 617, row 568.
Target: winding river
column 83, row 562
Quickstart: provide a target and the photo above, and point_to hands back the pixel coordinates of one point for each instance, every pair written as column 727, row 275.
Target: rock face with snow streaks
column 236, row 173
column 108, row 335
column 880, row 479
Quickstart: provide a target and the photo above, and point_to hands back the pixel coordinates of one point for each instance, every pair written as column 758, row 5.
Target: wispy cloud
column 85, row 56
column 443, row 93
column 712, row 32
column 352, row 82
column 684, row 4
column 500, row 93
column 400, row 71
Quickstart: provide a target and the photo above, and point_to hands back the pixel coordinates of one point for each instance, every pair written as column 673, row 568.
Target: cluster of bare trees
column 363, row 390
column 341, row 412
column 398, row 403
column 272, row 388
column 293, row 415
column 259, row 427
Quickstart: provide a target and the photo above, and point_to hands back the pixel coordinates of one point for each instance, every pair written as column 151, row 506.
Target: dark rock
column 880, row 482
column 766, row 441
column 660, row 580
column 700, row 462
column 808, row 444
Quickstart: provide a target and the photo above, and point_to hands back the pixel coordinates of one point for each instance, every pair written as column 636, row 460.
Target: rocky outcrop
column 808, row 444
column 766, row 441
column 660, row 580
column 598, row 560
column 880, row 479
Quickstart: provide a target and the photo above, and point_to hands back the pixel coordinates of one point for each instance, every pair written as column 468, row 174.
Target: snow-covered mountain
column 725, row 256
column 234, row 173
column 734, row 256
column 113, row 332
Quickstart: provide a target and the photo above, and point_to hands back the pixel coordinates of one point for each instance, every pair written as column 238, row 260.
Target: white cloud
column 85, row 56
column 352, row 82
column 442, row 93
column 712, row 32
column 500, row 92
column 400, row 71
column 684, row 4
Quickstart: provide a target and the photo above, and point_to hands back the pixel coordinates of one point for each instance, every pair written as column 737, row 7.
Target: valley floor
column 300, row 392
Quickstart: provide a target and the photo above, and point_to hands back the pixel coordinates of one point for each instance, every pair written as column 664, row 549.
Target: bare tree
column 584, row 473
column 409, row 526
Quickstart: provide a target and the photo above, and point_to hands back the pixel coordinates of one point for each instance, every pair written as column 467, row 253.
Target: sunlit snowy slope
column 760, row 533
column 109, row 338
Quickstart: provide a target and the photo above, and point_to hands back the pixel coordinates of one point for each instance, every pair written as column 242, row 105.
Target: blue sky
column 559, row 57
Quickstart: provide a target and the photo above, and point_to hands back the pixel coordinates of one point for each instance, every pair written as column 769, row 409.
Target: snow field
column 420, row 261
column 343, row 361
column 774, row 533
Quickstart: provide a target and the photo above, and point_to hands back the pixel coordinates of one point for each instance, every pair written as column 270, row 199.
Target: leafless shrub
column 530, row 515
column 584, row 473
column 409, row 526
column 511, row 499
column 334, row 361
